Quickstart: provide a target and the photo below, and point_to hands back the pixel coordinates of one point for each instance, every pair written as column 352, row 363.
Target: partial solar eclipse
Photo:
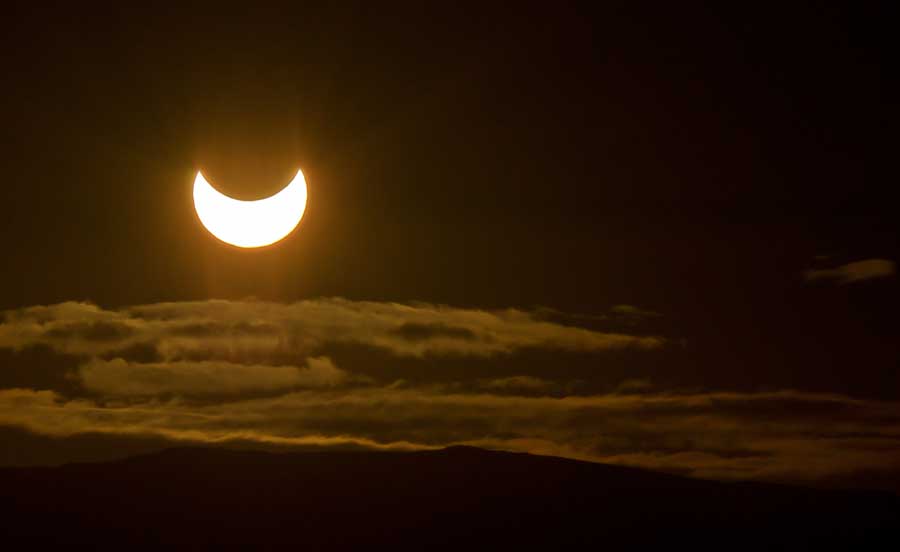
column 250, row 223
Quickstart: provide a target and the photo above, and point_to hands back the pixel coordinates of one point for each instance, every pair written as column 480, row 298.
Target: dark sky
column 708, row 179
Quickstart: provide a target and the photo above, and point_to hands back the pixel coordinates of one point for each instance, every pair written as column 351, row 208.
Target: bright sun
column 250, row 223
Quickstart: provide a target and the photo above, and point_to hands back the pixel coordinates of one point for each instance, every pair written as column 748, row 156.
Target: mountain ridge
column 205, row 497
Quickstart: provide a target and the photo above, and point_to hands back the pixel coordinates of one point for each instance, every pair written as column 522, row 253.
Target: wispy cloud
column 858, row 271
column 782, row 435
column 518, row 383
column 227, row 329
column 117, row 377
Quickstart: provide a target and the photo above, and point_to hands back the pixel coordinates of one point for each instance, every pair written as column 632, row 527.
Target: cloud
column 785, row 435
column 117, row 377
column 631, row 310
column 634, row 385
column 518, row 383
column 421, row 332
column 229, row 330
column 215, row 372
column 858, row 271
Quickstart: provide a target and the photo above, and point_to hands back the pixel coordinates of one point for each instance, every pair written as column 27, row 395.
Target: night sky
column 658, row 238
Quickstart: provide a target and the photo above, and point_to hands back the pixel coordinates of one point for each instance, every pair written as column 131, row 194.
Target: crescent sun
column 250, row 223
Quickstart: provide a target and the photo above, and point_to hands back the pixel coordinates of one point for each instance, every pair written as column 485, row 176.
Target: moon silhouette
column 250, row 223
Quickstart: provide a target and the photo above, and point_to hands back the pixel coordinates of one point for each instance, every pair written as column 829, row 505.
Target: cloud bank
column 257, row 372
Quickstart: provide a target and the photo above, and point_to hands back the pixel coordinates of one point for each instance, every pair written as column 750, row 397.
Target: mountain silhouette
column 454, row 498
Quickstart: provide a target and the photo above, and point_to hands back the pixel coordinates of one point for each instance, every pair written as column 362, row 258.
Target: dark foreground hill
column 457, row 498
